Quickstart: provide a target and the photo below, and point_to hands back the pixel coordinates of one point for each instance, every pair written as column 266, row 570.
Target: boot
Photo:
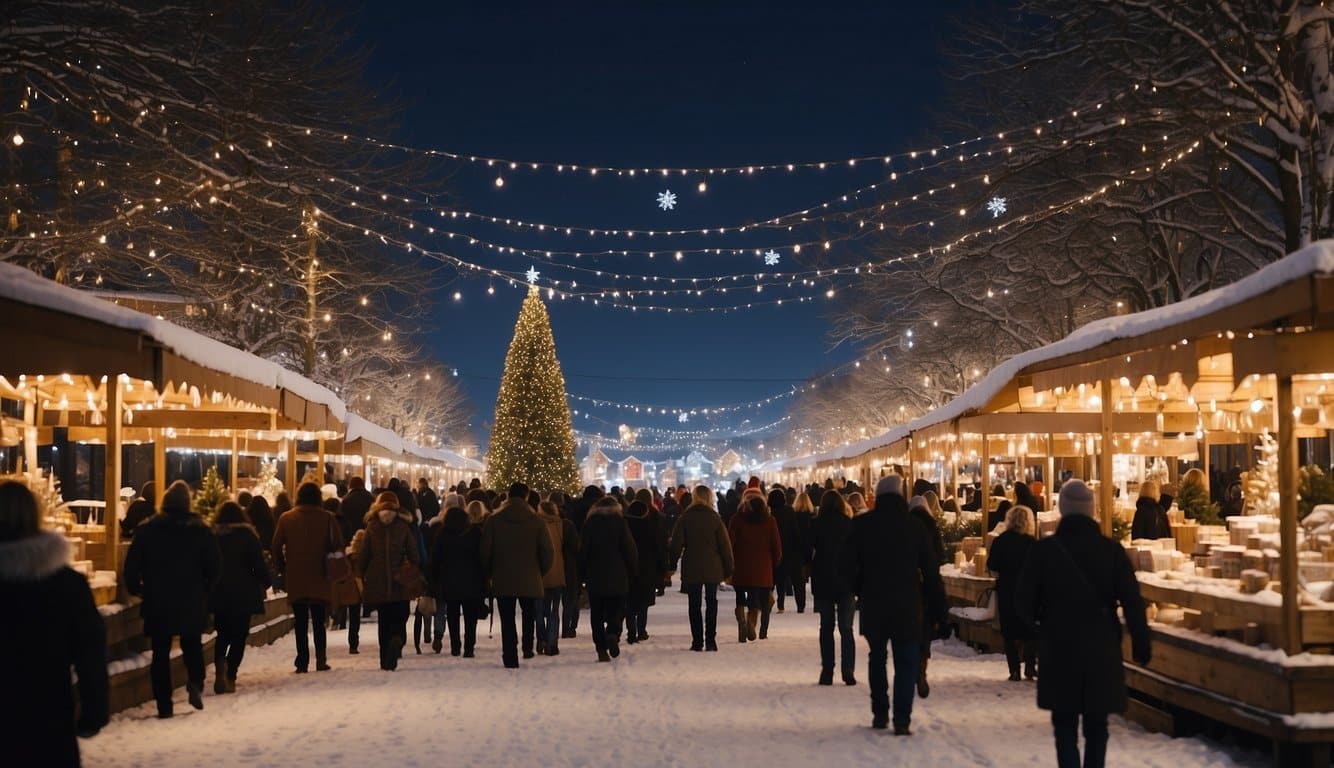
column 219, row 676
column 826, row 677
column 231, row 684
column 195, row 693
column 604, row 656
column 710, row 645
column 752, row 619
column 741, row 624
column 764, row 624
column 923, row 687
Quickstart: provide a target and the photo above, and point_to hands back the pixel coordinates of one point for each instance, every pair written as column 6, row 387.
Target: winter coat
column 352, row 511
column 1006, row 558
column 805, row 521
column 516, row 551
column 932, row 533
column 757, row 547
column 382, row 553
column 428, row 504
column 651, row 551
column 1150, row 521
column 301, row 539
column 564, row 548
column 456, row 561
column 608, row 557
column 172, row 564
column 997, row 515
column 140, row 510
column 828, row 537
column 890, row 564
column 707, row 558
column 245, row 577
column 51, row 625
column 793, row 547
column 1069, row 589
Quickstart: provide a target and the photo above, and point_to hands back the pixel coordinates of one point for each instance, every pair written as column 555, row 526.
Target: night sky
column 679, row 84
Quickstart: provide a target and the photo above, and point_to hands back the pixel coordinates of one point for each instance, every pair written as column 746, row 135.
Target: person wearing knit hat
column 890, row 483
column 173, row 564
column 1076, row 498
column 1069, row 588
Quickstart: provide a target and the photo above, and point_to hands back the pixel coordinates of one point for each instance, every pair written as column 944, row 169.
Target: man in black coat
column 1070, row 588
column 427, row 502
column 891, row 566
column 576, row 512
column 172, row 564
column 352, row 511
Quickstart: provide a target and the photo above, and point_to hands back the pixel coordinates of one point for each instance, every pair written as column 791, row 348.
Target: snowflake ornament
column 997, row 207
column 666, row 200
column 532, row 274
column 771, row 258
column 683, row 417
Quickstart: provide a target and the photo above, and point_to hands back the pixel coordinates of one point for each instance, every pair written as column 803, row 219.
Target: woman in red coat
column 757, row 547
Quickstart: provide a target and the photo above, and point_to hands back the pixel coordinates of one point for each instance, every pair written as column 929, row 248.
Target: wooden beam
column 1287, row 515
column 235, row 470
column 205, row 419
column 111, row 474
column 290, row 478
column 320, row 460
column 160, row 465
column 1106, row 495
column 1050, row 484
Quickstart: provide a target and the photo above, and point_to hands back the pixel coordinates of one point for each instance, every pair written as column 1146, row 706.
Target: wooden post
column 912, row 467
column 111, row 475
column 236, row 460
column 1204, row 462
column 1051, row 470
column 290, row 477
column 984, row 472
column 1287, row 516
column 320, row 452
column 159, row 466
column 1106, row 493
column 29, row 434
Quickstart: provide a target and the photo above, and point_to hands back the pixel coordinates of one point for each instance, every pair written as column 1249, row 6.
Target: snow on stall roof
column 359, row 428
column 1314, row 259
column 21, row 285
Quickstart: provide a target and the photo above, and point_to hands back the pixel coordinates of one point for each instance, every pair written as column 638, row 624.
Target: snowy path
column 658, row 704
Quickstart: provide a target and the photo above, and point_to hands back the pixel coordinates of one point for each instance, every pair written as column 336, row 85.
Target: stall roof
column 46, row 308
column 395, row 444
column 1315, row 259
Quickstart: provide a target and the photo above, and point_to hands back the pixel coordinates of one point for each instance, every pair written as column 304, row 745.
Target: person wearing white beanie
column 1077, row 499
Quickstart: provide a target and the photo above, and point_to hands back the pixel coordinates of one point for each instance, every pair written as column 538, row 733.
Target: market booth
column 90, row 377
column 1242, row 607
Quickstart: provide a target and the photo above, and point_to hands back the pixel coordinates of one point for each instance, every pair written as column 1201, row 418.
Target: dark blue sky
column 662, row 84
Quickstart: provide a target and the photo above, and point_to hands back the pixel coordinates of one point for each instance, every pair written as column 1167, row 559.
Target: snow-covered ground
column 659, row 704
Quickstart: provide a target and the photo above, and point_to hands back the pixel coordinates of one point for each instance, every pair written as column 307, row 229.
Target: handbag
column 409, row 576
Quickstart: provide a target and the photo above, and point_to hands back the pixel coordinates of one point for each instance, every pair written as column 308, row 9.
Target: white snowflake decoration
column 771, row 258
column 997, row 206
column 532, row 274
column 666, row 200
column 683, row 417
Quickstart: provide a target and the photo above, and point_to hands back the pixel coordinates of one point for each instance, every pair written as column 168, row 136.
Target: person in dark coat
column 789, row 570
column 920, row 508
column 1006, row 559
column 757, row 547
column 516, row 552
column 804, row 509
column 406, row 501
column 569, row 621
column 354, row 506
column 564, row 548
column 834, row 600
column 390, row 540
column 608, row 559
column 140, row 510
column 428, row 504
column 1150, row 520
column 701, row 544
column 1070, row 589
column 456, row 571
column 305, row 535
column 890, row 564
column 172, row 564
column 652, row 556
column 261, row 516
column 52, row 624
column 997, row 515
column 1024, row 497
column 239, row 593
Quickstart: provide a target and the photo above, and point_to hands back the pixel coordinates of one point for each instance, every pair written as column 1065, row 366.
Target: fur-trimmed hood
column 33, row 558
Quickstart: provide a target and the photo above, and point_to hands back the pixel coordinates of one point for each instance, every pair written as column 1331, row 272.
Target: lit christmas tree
column 1261, row 484
column 532, row 440
column 211, row 493
column 267, row 484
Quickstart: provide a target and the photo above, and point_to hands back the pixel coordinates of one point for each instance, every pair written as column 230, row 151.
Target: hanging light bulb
column 703, row 185
column 500, row 181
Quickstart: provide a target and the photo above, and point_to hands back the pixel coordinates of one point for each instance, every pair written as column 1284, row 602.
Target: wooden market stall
column 1252, row 364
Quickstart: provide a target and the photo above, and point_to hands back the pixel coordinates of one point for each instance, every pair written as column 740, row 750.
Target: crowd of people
column 537, row 560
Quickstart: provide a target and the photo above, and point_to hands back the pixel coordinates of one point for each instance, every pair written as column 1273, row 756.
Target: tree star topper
column 771, row 258
column 666, row 200
column 683, row 417
column 997, row 207
column 532, row 274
